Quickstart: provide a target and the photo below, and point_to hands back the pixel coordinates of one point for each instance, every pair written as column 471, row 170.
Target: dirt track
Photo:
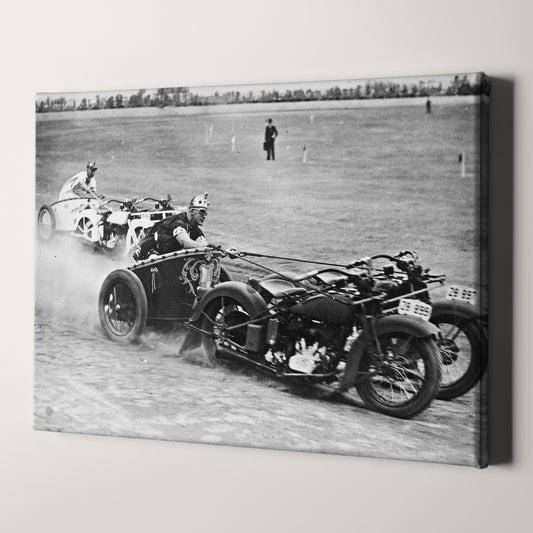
column 89, row 384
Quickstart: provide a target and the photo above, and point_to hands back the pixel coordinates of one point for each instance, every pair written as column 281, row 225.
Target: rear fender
column 455, row 307
column 234, row 289
column 417, row 327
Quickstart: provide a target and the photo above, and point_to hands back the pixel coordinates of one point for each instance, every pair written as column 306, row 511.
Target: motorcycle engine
column 307, row 346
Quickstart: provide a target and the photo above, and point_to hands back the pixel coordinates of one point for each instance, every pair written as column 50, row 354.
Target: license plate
column 415, row 308
column 461, row 293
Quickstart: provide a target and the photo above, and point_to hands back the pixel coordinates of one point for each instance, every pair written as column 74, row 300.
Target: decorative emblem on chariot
column 200, row 273
column 155, row 281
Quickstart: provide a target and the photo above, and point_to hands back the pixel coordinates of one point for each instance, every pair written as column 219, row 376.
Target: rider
column 176, row 232
column 81, row 185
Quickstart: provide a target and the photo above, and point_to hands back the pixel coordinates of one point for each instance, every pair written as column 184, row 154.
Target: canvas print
column 291, row 266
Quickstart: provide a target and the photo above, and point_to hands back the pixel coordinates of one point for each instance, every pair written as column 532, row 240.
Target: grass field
column 376, row 180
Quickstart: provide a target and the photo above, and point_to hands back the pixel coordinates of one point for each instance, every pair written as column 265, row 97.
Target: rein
column 316, row 290
column 294, row 259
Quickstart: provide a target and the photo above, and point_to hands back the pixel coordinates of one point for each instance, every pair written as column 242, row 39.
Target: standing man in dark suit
column 270, row 136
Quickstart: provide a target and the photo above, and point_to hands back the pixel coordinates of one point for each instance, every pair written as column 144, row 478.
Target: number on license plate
column 461, row 293
column 415, row 308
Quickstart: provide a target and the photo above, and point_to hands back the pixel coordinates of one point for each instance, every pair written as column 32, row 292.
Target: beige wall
column 71, row 483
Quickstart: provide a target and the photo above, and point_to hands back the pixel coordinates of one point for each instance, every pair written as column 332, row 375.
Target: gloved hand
column 232, row 253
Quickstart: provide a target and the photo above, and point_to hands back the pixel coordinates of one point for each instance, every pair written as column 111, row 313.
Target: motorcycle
column 338, row 335
column 107, row 227
column 463, row 342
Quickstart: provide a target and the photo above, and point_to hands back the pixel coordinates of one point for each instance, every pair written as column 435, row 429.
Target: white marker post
column 304, row 154
column 206, row 134
column 233, row 141
column 462, row 160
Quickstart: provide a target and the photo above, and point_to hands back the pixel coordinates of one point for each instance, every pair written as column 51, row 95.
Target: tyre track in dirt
column 85, row 383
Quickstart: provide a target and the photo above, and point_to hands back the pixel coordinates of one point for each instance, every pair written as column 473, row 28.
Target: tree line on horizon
column 182, row 96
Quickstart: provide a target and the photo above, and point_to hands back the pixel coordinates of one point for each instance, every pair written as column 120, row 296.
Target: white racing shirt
column 77, row 186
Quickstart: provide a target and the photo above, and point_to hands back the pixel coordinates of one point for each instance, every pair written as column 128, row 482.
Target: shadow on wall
column 501, row 185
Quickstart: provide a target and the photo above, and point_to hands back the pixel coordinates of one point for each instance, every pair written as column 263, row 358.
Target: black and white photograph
column 278, row 266
column 295, row 266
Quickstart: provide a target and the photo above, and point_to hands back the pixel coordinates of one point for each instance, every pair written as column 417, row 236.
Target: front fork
column 367, row 336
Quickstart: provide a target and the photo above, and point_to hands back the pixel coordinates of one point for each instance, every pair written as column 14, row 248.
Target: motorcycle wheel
column 224, row 313
column 46, row 223
column 405, row 381
column 463, row 354
column 122, row 306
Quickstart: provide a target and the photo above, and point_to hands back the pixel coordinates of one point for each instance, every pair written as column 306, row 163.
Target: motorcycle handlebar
column 149, row 198
column 113, row 200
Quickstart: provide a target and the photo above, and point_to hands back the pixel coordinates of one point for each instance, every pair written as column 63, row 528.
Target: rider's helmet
column 91, row 165
column 199, row 202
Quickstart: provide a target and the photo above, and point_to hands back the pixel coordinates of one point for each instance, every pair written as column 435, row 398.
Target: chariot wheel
column 122, row 306
column 46, row 223
column 84, row 228
column 133, row 238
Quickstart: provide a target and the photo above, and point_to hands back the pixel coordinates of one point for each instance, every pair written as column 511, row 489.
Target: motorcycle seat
column 280, row 288
column 331, row 278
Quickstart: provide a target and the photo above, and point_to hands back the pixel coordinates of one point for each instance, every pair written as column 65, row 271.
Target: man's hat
column 199, row 202
column 92, row 165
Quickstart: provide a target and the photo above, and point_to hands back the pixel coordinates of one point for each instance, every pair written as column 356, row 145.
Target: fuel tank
column 324, row 309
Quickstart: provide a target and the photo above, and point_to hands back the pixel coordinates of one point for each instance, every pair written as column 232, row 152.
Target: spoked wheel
column 133, row 238
column 122, row 306
column 85, row 228
column 46, row 223
column 403, row 380
column 463, row 355
column 225, row 323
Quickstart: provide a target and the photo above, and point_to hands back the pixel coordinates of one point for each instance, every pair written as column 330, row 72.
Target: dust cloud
column 68, row 277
